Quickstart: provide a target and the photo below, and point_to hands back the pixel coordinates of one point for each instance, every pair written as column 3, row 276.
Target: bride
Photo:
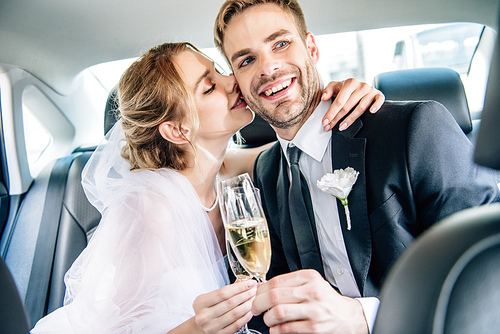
column 156, row 261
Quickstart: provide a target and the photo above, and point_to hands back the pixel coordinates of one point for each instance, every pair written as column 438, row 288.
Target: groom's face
column 273, row 65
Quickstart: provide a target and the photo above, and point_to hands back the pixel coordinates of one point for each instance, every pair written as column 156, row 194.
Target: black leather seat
column 13, row 316
column 447, row 281
column 257, row 133
column 439, row 84
column 77, row 222
column 74, row 226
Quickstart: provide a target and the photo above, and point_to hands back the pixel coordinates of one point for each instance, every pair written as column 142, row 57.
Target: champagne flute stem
column 260, row 279
column 243, row 330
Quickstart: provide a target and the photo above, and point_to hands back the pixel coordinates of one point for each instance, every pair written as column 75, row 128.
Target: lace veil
column 152, row 254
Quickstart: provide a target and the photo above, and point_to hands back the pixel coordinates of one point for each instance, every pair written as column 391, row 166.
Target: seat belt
column 41, row 270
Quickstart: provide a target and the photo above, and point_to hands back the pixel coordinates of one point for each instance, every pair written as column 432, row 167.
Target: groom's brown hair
column 231, row 8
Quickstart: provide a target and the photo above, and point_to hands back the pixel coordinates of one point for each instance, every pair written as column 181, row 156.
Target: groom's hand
column 303, row 302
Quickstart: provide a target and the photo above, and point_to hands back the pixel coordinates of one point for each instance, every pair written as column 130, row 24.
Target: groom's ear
column 312, row 47
column 174, row 132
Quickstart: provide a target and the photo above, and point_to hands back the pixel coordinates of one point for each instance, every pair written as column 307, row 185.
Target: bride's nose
column 231, row 84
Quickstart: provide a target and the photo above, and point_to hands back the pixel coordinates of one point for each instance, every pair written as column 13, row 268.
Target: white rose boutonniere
column 339, row 184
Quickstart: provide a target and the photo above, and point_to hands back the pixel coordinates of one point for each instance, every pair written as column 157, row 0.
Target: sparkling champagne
column 236, row 266
column 250, row 238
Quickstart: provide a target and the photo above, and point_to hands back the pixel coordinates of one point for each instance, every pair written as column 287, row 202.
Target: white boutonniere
column 339, row 184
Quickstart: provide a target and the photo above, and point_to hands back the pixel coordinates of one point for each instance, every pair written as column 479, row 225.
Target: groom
column 414, row 162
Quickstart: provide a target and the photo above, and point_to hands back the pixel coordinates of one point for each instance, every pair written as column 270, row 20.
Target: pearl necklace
column 213, row 206
column 216, row 198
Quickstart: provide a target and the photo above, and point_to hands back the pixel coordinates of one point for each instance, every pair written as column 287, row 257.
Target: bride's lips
column 239, row 103
column 277, row 88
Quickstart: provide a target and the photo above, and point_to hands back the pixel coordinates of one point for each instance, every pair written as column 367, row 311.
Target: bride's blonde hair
column 150, row 92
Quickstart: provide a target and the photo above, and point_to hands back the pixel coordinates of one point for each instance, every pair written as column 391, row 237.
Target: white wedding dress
column 152, row 254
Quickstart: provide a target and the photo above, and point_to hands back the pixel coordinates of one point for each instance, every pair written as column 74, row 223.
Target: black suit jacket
column 415, row 167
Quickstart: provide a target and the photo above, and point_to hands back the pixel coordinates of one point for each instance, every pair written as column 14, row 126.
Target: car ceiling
column 56, row 39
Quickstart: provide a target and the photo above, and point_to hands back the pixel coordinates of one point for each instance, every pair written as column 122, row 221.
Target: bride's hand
column 348, row 94
column 227, row 309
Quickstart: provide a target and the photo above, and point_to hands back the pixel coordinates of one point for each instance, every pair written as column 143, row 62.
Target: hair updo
column 150, row 92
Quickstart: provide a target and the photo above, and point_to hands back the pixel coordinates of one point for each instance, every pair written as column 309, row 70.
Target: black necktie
column 302, row 219
column 298, row 210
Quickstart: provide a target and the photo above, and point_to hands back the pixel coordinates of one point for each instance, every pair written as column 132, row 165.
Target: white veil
column 152, row 254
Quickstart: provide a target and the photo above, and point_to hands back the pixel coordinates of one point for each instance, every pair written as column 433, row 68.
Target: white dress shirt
column 315, row 162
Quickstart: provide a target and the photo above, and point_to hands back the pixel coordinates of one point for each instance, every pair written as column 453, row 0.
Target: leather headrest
column 440, row 84
column 111, row 111
column 257, row 133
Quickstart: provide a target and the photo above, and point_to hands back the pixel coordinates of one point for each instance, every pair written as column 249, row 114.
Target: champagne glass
column 245, row 224
column 247, row 235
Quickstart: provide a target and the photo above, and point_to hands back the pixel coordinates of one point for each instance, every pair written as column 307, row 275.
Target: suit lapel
column 348, row 151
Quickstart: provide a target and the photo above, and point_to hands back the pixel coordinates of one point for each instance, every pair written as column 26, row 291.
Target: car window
column 46, row 130
column 364, row 54
column 450, row 45
column 37, row 137
column 108, row 74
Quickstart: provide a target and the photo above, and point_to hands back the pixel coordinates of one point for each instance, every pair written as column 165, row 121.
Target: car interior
column 433, row 287
column 51, row 58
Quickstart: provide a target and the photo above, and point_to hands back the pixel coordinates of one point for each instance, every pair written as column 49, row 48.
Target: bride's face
column 219, row 103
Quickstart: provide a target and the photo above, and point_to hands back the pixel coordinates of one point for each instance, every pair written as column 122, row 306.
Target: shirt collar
column 311, row 139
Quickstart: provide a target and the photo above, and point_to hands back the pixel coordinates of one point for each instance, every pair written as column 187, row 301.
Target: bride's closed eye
column 210, row 90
